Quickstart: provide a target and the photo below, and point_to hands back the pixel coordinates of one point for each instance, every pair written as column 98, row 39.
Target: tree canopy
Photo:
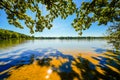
column 101, row 11
column 114, row 31
column 114, row 35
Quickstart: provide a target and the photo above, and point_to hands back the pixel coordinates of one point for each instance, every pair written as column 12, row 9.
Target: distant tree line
column 70, row 37
column 7, row 34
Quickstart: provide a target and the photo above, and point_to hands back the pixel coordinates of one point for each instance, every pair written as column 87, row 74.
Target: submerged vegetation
column 7, row 34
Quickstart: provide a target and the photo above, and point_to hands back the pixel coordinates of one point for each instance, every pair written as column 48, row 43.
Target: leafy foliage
column 114, row 35
column 16, row 11
column 101, row 11
column 114, row 30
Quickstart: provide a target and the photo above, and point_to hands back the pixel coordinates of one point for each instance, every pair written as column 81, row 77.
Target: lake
column 66, row 46
column 58, row 59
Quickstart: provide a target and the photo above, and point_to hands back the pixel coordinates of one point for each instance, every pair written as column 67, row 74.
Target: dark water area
column 58, row 60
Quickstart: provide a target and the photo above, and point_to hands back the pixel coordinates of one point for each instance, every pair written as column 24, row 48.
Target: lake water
column 66, row 46
column 67, row 59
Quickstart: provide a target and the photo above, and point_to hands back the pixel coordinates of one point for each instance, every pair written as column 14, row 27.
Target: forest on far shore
column 7, row 34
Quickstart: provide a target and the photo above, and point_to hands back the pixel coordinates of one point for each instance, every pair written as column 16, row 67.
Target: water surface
column 73, row 45
column 74, row 59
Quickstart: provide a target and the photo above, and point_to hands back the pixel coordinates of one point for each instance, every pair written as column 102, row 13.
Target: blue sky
column 60, row 27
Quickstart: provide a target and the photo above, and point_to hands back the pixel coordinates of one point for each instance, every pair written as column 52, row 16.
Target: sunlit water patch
column 50, row 60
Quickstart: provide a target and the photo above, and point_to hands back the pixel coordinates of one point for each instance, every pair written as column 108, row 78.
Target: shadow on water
column 87, row 69
column 99, row 50
column 110, row 64
column 26, row 57
column 65, row 66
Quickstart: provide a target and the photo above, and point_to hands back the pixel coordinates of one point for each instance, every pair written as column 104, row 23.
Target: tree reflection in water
column 51, row 64
column 11, row 43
